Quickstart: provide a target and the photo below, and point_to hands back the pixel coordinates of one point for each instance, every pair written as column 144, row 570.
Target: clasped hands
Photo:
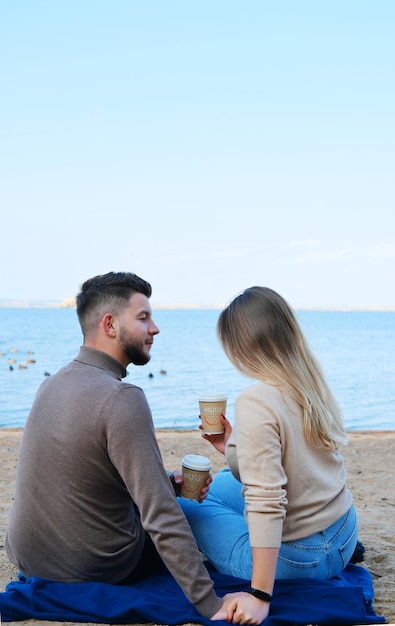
column 242, row 608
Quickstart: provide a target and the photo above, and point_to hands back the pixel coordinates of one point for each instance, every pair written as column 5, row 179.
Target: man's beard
column 134, row 352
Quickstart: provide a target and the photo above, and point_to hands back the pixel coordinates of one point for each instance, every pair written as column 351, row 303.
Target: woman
column 283, row 509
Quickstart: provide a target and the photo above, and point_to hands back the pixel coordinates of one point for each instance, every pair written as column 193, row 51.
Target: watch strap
column 261, row 595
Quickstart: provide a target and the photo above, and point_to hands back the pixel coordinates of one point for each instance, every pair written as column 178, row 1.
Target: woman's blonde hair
column 262, row 338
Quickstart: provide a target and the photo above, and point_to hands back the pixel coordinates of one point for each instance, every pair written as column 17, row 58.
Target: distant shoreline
column 70, row 304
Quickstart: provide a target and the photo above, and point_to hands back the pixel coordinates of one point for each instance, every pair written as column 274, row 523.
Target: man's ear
column 108, row 324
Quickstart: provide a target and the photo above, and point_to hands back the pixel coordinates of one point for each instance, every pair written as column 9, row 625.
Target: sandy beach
column 370, row 462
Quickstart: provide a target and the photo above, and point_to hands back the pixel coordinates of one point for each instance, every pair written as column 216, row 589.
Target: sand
column 370, row 462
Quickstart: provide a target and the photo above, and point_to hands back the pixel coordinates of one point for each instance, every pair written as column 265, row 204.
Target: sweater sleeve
column 257, row 446
column 134, row 451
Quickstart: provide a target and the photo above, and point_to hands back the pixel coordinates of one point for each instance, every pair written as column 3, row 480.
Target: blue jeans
column 220, row 529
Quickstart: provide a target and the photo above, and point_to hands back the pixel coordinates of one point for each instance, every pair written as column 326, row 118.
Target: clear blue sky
column 207, row 146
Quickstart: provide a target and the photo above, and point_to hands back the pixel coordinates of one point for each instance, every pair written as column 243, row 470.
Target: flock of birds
column 150, row 375
column 13, row 361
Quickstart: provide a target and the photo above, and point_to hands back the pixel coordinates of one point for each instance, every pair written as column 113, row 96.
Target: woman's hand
column 219, row 440
column 242, row 608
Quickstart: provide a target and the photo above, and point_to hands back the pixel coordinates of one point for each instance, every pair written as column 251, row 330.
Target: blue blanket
column 344, row 600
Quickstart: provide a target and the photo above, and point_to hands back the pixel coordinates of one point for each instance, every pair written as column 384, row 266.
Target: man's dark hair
column 107, row 290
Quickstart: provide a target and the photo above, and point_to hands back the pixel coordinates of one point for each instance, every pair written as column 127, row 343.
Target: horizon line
column 69, row 303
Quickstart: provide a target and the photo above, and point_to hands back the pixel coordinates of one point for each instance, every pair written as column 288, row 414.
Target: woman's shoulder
column 262, row 390
column 265, row 394
column 267, row 403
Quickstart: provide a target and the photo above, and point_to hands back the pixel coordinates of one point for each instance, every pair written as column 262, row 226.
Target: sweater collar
column 97, row 358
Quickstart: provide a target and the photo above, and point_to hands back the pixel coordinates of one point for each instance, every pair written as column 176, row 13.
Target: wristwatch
column 261, row 595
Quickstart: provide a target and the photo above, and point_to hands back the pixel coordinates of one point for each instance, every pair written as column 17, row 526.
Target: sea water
column 355, row 348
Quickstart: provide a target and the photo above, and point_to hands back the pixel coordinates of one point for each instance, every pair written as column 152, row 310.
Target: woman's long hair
column 262, row 338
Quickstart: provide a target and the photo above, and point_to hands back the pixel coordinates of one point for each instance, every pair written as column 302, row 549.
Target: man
column 93, row 501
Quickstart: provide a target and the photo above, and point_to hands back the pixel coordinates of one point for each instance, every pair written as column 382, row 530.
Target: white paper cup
column 211, row 408
column 195, row 469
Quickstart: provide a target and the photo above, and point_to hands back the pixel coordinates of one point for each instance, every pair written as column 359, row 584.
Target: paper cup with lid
column 211, row 407
column 195, row 470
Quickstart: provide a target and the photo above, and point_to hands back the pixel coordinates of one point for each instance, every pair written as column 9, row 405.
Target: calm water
column 355, row 349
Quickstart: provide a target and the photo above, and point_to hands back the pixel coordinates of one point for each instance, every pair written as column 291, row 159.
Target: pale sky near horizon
column 206, row 146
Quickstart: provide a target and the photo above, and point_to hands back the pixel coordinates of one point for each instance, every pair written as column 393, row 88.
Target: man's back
column 92, row 494
column 73, row 518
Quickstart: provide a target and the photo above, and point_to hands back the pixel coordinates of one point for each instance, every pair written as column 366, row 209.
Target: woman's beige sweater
column 291, row 488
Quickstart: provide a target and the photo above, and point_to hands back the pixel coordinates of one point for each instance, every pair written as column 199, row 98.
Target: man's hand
column 176, row 480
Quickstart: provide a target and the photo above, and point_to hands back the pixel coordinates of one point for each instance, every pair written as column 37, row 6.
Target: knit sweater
column 90, row 478
column 291, row 489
